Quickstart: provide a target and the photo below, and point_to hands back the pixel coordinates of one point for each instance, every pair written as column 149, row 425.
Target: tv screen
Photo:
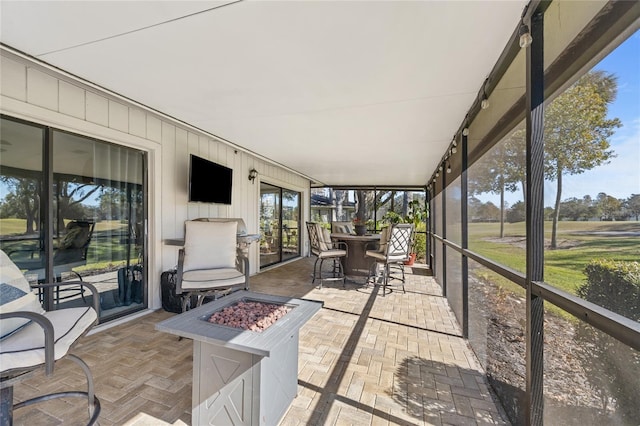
column 209, row 182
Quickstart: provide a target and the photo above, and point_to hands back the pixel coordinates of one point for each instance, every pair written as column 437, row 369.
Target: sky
column 621, row 177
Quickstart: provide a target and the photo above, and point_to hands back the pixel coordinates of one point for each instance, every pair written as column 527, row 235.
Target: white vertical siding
column 36, row 93
column 13, row 79
column 71, row 101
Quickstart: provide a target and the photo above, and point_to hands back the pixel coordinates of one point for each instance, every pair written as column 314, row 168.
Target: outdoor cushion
column 210, row 245
column 15, row 295
column 332, row 253
column 325, row 241
column 242, row 227
column 209, row 278
column 26, row 347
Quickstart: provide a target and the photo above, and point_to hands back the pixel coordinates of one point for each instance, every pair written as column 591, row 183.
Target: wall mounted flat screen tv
column 209, row 182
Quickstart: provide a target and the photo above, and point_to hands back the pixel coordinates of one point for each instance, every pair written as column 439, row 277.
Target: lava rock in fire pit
column 248, row 315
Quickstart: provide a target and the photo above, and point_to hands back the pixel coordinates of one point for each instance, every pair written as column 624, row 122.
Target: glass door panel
column 22, row 236
column 98, row 220
column 290, row 224
column 270, row 225
column 92, row 229
column 279, row 224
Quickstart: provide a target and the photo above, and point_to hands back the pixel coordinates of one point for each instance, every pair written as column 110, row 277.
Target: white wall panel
column 154, row 129
column 97, row 109
column 118, row 116
column 137, row 122
column 42, row 89
column 13, row 79
column 71, row 101
column 30, row 93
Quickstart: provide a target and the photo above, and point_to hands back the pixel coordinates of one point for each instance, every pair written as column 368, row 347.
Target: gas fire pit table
column 241, row 376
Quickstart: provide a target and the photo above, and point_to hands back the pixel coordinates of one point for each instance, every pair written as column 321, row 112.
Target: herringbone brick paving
column 364, row 359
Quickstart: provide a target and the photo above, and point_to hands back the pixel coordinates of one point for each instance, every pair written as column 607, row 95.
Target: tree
column 516, row 213
column 577, row 131
column 70, row 197
column 577, row 209
column 23, row 201
column 608, row 206
column 633, row 205
column 502, row 169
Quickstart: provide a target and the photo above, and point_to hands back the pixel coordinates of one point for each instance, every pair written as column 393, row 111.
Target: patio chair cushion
column 242, row 227
column 15, row 295
column 332, row 253
column 210, row 245
column 325, row 241
column 26, row 348
column 342, row 227
column 209, row 278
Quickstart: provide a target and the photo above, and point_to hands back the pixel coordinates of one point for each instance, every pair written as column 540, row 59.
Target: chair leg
column 314, row 270
column 6, row 406
column 385, row 278
column 92, row 400
column 185, row 300
column 320, row 272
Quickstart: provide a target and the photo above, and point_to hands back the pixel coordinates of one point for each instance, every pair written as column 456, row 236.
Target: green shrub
column 613, row 285
column 613, row 369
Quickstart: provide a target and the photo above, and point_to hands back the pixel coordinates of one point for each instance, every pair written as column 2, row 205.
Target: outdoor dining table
column 356, row 263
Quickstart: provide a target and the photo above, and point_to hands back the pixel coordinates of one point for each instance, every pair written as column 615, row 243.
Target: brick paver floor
column 364, row 359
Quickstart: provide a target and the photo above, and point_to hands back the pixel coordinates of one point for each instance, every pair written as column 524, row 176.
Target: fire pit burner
column 249, row 315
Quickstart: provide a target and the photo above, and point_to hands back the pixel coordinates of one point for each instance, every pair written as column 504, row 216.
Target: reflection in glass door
column 74, row 211
column 279, row 224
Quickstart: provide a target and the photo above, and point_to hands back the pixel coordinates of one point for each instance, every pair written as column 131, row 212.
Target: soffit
column 348, row 93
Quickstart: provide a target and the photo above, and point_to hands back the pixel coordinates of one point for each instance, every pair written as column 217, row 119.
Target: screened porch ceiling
column 343, row 92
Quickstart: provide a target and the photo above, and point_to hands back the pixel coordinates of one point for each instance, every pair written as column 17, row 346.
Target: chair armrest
column 95, row 296
column 47, row 327
column 179, row 271
column 245, row 269
column 374, row 244
column 340, row 245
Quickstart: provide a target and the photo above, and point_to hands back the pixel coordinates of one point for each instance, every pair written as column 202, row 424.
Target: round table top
column 351, row 237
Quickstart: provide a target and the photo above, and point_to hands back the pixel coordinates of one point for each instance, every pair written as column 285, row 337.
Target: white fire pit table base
column 242, row 377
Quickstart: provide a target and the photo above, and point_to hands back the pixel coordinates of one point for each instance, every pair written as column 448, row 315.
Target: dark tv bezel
column 206, row 172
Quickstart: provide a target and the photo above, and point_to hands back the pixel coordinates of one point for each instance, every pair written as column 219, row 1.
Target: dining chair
column 395, row 244
column 210, row 263
column 342, row 227
column 32, row 338
column 324, row 248
column 70, row 253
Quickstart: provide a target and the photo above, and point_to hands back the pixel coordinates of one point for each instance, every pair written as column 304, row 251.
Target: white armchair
column 210, row 262
column 31, row 338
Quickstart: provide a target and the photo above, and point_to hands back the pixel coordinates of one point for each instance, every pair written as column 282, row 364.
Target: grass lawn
column 578, row 244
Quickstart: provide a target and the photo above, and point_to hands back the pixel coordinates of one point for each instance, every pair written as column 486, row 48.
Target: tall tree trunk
column 501, row 206
column 332, row 200
column 556, row 212
column 360, row 212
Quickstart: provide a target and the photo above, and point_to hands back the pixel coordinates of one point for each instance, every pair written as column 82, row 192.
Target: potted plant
column 360, row 225
column 416, row 216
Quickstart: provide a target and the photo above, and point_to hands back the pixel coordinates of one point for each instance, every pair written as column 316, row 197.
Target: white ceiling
column 345, row 92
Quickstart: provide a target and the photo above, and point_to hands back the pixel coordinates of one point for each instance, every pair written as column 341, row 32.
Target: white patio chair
column 210, row 262
column 31, row 338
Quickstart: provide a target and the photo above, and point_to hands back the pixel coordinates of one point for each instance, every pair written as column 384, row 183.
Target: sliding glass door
column 73, row 208
column 279, row 224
